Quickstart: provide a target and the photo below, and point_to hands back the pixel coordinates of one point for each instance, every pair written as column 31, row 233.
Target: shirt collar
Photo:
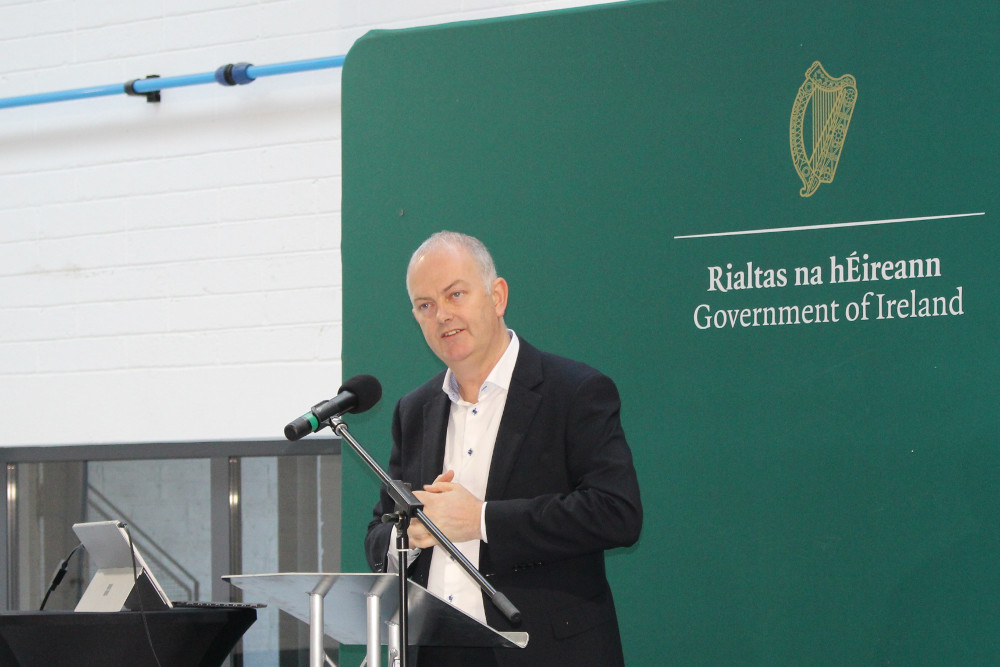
column 499, row 377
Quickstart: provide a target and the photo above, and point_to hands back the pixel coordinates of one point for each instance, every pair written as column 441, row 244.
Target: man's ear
column 499, row 294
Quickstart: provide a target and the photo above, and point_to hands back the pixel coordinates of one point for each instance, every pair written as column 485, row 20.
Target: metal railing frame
column 224, row 459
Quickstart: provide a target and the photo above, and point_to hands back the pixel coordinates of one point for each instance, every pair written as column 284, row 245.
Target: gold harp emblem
column 827, row 104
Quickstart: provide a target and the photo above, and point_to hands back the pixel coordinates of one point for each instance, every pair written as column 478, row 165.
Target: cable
column 58, row 576
column 142, row 606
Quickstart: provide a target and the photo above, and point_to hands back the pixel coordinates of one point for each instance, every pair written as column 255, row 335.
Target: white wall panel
column 172, row 271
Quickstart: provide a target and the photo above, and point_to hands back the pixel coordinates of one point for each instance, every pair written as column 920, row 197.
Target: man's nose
column 443, row 313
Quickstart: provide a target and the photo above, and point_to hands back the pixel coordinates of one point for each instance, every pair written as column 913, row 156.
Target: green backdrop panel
column 819, row 491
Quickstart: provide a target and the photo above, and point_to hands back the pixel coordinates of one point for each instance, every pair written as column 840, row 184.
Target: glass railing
column 196, row 511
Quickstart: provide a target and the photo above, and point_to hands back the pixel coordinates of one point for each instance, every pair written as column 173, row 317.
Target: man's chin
column 451, row 356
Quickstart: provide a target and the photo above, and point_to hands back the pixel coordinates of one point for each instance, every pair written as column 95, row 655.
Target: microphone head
column 366, row 388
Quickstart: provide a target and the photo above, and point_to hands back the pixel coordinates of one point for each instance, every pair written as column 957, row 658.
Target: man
column 520, row 459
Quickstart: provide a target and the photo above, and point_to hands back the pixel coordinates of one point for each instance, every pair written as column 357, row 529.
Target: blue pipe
column 227, row 75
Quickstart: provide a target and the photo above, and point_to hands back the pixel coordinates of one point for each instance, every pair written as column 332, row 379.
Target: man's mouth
column 448, row 334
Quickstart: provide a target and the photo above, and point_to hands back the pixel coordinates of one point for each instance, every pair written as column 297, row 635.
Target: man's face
column 461, row 322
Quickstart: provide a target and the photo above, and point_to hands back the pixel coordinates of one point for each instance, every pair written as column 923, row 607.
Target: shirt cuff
column 392, row 556
column 482, row 523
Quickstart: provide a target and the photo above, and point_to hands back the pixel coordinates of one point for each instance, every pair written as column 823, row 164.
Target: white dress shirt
column 468, row 450
column 472, row 434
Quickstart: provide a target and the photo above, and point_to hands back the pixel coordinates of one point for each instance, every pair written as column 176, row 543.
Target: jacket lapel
column 436, row 414
column 518, row 413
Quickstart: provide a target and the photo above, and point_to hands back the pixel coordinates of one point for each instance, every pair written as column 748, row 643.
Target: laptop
column 117, row 586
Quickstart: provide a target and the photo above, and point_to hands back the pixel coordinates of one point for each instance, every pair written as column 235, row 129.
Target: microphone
column 358, row 394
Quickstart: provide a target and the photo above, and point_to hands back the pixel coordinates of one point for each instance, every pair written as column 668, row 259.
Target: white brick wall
column 172, row 271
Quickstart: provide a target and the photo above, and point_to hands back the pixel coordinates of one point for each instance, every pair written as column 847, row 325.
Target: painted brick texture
column 172, row 271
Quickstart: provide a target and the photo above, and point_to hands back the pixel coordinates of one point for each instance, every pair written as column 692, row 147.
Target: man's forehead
column 442, row 268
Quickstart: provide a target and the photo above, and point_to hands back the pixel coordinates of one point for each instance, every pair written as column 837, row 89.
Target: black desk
column 182, row 637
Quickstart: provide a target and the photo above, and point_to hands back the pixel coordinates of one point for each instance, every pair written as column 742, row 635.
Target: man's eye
column 457, row 295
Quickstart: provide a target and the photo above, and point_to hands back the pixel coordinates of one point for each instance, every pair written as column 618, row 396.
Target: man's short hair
column 475, row 247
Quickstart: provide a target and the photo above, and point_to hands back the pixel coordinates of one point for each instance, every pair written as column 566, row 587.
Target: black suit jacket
column 562, row 489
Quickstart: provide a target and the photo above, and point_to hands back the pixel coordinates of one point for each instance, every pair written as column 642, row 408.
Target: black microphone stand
column 408, row 507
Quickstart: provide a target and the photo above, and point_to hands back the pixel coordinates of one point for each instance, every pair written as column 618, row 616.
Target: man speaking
column 520, row 459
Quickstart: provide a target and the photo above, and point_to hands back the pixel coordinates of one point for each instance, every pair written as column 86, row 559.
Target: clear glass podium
column 356, row 608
